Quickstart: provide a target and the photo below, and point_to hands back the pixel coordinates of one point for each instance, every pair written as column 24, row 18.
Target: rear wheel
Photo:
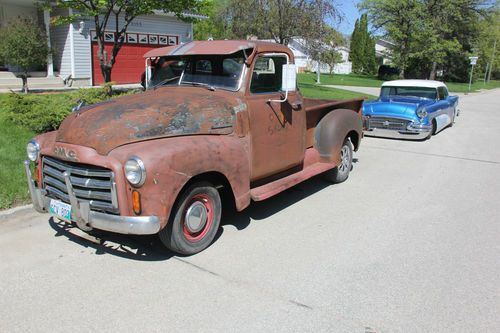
column 195, row 220
column 340, row 173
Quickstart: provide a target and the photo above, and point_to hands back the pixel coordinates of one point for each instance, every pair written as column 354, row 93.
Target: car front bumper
column 87, row 219
column 412, row 131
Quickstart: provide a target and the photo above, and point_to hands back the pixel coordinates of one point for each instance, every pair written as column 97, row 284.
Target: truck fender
column 333, row 129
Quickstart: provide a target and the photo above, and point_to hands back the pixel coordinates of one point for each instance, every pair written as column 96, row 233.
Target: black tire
column 340, row 173
column 433, row 131
column 184, row 237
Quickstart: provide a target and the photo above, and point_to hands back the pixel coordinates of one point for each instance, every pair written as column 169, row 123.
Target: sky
column 348, row 8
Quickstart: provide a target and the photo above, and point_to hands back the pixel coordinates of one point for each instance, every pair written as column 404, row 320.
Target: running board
column 268, row 190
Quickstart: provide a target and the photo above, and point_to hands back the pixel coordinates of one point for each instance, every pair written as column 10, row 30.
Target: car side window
column 442, row 93
column 267, row 74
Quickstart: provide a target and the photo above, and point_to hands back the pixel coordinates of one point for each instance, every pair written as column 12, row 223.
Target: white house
column 305, row 63
column 383, row 50
column 75, row 57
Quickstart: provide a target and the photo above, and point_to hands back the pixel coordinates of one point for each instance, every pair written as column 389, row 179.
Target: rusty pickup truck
column 219, row 119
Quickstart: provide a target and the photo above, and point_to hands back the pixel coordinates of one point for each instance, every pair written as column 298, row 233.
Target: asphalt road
column 410, row 243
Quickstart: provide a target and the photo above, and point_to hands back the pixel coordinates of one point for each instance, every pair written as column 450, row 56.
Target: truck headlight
column 422, row 113
column 135, row 171
column 33, row 150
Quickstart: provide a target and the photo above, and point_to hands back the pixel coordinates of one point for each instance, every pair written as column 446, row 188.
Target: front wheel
column 195, row 220
column 340, row 173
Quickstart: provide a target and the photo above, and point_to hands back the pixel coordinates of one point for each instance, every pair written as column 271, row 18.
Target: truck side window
column 266, row 76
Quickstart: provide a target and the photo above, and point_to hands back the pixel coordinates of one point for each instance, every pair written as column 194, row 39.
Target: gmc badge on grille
column 69, row 155
column 386, row 123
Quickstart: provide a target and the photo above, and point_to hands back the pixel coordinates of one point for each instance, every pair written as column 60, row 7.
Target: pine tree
column 355, row 51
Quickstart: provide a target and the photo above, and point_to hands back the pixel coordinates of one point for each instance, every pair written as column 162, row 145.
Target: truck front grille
column 90, row 183
column 386, row 123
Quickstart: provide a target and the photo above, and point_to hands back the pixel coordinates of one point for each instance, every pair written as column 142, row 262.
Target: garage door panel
column 129, row 64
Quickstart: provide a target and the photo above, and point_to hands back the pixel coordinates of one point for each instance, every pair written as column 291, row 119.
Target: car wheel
column 340, row 173
column 195, row 220
column 433, row 130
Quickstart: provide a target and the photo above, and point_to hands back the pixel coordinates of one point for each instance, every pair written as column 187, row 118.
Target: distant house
column 383, row 51
column 305, row 63
column 75, row 44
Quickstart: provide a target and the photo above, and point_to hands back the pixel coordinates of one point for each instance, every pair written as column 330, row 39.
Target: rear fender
column 333, row 129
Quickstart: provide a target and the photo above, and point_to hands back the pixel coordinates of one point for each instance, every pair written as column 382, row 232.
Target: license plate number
column 60, row 209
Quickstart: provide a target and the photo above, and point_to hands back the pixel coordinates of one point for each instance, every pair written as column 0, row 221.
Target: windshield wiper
column 165, row 81
column 200, row 84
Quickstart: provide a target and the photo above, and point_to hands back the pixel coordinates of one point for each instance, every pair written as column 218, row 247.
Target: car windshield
column 415, row 92
column 213, row 71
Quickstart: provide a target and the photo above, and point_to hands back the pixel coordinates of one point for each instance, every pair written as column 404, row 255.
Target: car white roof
column 414, row 83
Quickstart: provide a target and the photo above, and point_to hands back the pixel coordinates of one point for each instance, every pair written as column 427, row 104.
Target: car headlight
column 422, row 113
column 33, row 150
column 135, row 171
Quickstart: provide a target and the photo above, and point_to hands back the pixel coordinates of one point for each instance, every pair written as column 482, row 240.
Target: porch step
column 268, row 190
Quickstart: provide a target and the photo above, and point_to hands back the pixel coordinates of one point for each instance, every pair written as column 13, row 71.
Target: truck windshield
column 217, row 72
column 416, row 92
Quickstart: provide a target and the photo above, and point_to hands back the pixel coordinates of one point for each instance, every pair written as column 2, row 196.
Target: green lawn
column 341, row 79
column 317, row 91
column 13, row 140
column 368, row 81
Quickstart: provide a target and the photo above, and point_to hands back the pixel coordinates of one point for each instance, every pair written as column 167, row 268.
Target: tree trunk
column 318, row 74
column 106, row 73
column 432, row 76
column 24, row 77
column 402, row 73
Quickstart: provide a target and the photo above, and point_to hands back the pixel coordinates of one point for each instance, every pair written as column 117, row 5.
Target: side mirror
column 289, row 78
column 288, row 81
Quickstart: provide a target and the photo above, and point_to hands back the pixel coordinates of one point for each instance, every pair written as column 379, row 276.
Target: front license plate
column 60, row 209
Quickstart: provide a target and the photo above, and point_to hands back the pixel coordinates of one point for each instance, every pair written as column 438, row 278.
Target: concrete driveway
column 410, row 243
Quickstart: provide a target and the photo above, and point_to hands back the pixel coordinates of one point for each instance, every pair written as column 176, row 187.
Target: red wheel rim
column 208, row 203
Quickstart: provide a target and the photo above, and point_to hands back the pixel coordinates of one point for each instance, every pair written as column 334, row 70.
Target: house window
column 153, row 39
column 143, row 39
column 163, row 40
column 172, row 40
column 132, row 38
column 109, row 37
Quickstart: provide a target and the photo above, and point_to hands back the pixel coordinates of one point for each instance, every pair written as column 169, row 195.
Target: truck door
column 277, row 130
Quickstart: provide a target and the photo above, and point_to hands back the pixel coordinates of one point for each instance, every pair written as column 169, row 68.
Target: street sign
column 473, row 60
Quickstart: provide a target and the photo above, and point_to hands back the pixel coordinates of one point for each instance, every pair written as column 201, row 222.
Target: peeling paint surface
column 165, row 112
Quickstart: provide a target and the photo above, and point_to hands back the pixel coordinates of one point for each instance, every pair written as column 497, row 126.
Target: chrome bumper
column 412, row 132
column 87, row 219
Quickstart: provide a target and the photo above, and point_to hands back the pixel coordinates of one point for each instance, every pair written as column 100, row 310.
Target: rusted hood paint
column 172, row 111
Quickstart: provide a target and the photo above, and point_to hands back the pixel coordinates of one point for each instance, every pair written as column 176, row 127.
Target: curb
column 15, row 210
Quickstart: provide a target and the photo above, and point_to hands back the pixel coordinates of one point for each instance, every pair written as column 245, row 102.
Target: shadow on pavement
column 150, row 248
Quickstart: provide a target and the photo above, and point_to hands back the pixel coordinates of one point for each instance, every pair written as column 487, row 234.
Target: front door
column 277, row 129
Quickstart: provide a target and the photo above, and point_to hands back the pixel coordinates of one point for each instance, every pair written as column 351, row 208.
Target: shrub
column 45, row 112
column 386, row 73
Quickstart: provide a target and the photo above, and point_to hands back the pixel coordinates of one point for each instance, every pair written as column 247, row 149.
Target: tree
column 362, row 49
column 214, row 26
column 23, row 44
column 279, row 19
column 331, row 57
column 428, row 34
column 109, row 12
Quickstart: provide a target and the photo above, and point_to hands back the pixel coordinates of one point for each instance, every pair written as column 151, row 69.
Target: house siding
column 60, row 41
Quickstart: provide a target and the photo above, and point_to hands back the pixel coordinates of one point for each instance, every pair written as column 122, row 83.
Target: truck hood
column 165, row 112
column 394, row 106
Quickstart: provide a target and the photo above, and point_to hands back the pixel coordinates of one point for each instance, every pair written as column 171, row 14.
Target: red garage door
column 130, row 62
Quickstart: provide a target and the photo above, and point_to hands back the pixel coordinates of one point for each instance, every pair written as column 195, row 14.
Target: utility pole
column 492, row 58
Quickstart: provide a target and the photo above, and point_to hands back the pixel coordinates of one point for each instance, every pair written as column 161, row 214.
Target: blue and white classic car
column 410, row 109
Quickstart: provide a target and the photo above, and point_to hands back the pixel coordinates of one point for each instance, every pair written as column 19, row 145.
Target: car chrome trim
column 87, row 219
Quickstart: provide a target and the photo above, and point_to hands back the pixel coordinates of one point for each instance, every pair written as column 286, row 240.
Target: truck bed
column 316, row 109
